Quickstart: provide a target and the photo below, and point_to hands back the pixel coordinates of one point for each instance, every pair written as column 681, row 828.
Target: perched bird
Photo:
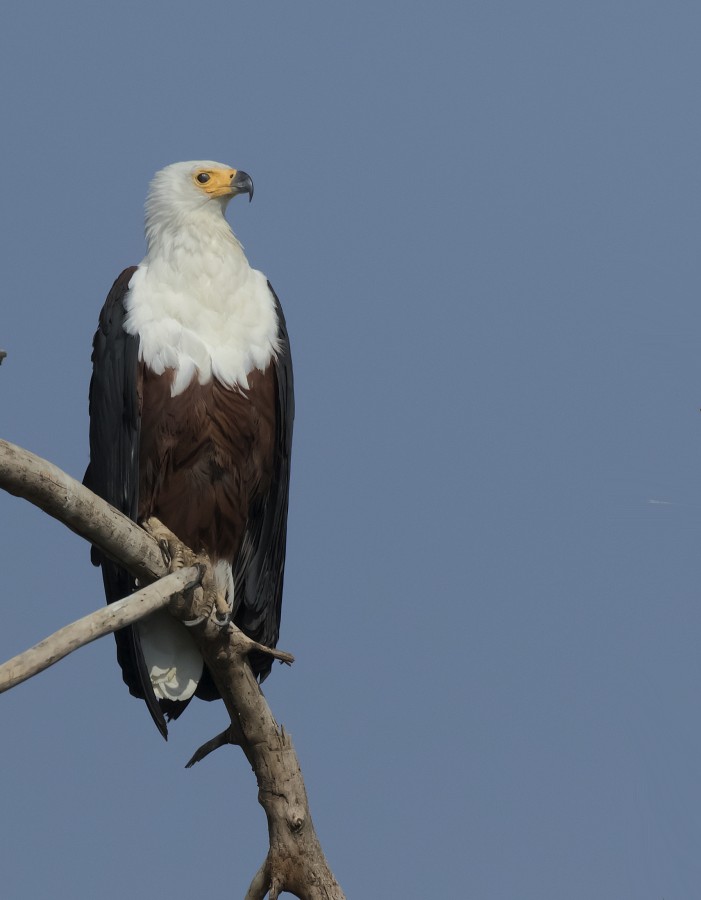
column 191, row 410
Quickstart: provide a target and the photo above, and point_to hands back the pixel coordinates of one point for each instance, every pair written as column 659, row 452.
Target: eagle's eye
column 203, row 178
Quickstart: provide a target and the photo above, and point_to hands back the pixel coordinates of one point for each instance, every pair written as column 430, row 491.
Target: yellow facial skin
column 215, row 182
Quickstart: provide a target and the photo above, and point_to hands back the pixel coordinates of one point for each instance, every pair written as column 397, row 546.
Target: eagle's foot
column 208, row 601
column 175, row 554
column 212, row 602
column 203, row 599
column 221, row 611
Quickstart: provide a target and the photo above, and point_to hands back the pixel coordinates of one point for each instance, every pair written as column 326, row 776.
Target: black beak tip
column 243, row 184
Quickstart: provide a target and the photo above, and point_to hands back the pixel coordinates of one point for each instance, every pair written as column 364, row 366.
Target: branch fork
column 295, row 861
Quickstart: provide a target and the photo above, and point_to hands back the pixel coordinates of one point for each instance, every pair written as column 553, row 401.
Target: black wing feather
column 113, row 472
column 260, row 567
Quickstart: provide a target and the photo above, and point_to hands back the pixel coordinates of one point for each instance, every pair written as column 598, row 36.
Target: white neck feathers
column 195, row 302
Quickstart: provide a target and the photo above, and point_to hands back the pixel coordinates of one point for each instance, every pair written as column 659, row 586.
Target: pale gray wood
column 295, row 862
column 45, row 485
column 95, row 625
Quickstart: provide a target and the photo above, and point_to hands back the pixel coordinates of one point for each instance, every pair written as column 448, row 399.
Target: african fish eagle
column 191, row 410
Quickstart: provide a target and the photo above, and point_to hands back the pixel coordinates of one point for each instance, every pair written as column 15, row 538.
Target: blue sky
column 482, row 221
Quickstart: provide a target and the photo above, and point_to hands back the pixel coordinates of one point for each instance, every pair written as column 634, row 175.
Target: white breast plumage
column 201, row 310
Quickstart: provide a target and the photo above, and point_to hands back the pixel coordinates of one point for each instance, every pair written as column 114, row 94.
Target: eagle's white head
column 193, row 193
column 194, row 301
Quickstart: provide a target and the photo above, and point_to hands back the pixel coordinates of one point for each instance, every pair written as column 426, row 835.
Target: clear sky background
column 483, row 222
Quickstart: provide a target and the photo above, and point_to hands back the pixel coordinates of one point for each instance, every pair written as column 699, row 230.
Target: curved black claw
column 165, row 552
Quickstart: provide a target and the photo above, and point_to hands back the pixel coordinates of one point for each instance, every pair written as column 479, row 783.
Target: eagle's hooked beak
column 242, row 183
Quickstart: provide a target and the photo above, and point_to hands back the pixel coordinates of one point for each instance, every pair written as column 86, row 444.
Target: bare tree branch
column 48, row 487
column 295, row 860
column 95, row 625
column 226, row 737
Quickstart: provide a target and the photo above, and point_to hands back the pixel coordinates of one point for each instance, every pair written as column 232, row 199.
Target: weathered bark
column 295, row 861
column 96, row 625
column 51, row 489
